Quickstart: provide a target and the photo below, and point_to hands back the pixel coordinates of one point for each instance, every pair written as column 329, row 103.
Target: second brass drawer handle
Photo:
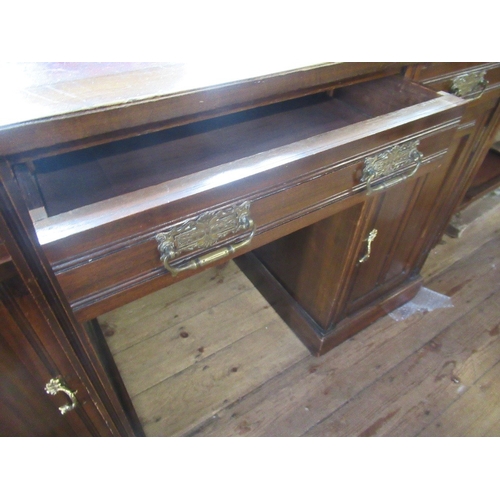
column 469, row 85
column 204, row 232
column 390, row 161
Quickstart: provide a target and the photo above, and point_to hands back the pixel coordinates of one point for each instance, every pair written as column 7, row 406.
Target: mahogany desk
column 329, row 184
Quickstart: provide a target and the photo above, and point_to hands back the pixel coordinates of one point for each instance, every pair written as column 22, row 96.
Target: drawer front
column 466, row 80
column 103, row 263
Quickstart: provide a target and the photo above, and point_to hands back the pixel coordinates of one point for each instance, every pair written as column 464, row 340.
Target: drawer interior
column 77, row 179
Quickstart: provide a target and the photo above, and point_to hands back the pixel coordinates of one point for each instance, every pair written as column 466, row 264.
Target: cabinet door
column 382, row 260
column 335, row 277
column 25, row 408
column 41, row 371
column 407, row 218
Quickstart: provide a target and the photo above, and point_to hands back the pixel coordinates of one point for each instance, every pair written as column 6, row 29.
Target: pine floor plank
column 146, row 317
column 483, row 224
column 193, row 340
column 476, row 413
column 410, row 395
column 184, row 400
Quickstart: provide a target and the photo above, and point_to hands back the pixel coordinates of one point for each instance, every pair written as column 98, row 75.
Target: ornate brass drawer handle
column 369, row 241
column 203, row 232
column 57, row 385
column 389, row 161
column 469, row 85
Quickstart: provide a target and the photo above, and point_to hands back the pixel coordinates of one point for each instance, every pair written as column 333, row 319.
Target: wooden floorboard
column 476, row 413
column 409, row 396
column 209, row 357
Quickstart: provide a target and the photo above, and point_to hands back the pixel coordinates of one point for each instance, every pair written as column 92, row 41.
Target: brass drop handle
column 390, row 161
column 369, row 241
column 469, row 85
column 210, row 257
column 392, row 182
column 57, row 385
column 202, row 233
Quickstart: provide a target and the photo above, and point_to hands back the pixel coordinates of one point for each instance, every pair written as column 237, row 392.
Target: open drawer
column 121, row 219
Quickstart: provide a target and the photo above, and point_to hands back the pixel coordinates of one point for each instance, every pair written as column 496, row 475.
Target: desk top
column 34, row 91
column 44, row 104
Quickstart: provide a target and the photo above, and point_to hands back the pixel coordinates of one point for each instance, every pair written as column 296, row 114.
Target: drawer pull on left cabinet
column 56, row 385
column 390, row 161
column 204, row 232
column 369, row 241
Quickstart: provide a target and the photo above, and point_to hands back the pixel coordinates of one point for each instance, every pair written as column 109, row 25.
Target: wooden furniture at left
column 46, row 389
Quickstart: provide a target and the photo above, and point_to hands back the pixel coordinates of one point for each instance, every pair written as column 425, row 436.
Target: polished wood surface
column 44, row 90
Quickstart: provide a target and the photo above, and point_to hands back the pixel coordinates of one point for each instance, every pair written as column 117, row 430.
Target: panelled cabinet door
column 383, row 257
column 26, row 409
column 405, row 217
column 41, row 394
column 335, row 274
column 44, row 388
